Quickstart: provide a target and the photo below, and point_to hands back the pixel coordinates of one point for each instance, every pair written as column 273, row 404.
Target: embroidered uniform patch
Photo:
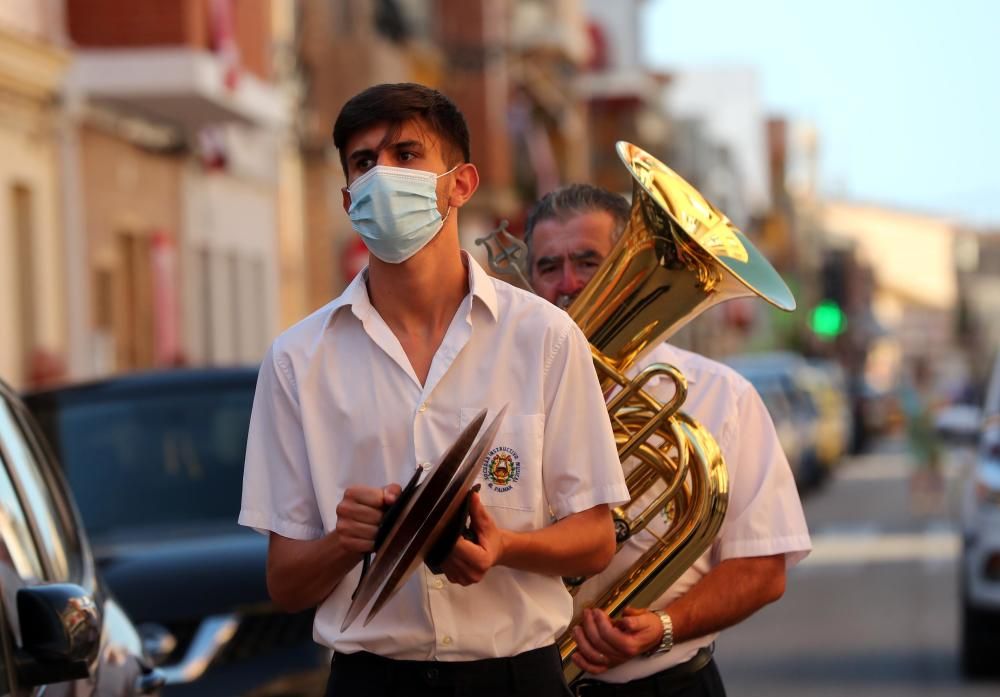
column 501, row 468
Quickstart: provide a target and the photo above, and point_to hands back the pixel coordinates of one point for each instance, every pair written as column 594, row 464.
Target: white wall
column 912, row 255
column 230, row 268
column 728, row 101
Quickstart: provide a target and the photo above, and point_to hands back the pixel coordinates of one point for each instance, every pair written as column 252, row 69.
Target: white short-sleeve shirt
column 338, row 404
column 764, row 516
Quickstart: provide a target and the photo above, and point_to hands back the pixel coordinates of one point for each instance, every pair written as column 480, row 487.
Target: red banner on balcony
column 224, row 40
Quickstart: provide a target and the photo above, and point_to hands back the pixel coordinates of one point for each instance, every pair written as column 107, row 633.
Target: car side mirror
column 60, row 634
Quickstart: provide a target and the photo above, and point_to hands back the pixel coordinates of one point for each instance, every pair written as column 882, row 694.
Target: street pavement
column 874, row 610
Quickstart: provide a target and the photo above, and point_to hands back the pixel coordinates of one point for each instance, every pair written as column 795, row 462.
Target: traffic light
column 827, row 320
column 833, row 276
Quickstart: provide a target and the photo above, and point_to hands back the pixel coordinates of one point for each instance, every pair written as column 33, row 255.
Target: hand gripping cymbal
column 424, row 514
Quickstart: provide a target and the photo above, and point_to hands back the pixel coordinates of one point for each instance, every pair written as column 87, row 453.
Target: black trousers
column 536, row 673
column 699, row 677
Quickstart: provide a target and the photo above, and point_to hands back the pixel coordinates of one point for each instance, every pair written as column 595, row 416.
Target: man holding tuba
column 667, row 647
column 383, row 379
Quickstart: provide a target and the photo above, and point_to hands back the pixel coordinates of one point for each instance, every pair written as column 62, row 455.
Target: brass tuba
column 677, row 256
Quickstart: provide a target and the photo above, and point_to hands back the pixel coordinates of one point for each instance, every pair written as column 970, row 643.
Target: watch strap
column 667, row 641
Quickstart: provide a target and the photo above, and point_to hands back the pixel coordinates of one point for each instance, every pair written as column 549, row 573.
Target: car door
column 41, row 542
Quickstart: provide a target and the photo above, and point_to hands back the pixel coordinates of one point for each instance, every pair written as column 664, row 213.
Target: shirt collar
column 481, row 285
column 356, row 297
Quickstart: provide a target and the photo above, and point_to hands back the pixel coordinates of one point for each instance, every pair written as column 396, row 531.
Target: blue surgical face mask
column 395, row 211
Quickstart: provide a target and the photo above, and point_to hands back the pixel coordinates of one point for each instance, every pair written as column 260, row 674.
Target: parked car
column 980, row 577
column 61, row 632
column 156, row 463
column 824, row 380
column 792, row 407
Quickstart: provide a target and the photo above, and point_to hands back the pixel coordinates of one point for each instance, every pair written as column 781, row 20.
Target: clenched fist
column 359, row 514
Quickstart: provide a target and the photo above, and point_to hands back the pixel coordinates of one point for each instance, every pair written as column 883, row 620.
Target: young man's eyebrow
column 406, row 144
column 373, row 152
column 361, row 154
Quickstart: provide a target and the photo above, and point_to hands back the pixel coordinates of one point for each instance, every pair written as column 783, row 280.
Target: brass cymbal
column 423, row 517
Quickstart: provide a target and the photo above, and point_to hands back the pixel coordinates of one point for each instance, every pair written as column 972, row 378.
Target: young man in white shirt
column 666, row 649
column 380, row 381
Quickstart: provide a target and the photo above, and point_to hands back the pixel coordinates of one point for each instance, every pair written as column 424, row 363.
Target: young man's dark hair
column 395, row 104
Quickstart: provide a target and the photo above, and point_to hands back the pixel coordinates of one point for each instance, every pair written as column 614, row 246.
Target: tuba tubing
column 661, row 566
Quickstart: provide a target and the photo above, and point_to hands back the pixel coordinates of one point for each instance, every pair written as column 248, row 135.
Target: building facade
column 180, row 132
column 33, row 62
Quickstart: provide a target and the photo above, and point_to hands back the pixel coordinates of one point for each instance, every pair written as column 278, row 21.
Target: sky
column 905, row 95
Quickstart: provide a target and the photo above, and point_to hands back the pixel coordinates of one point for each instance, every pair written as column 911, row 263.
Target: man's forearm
column 726, row 595
column 581, row 544
column 729, row 593
column 302, row 573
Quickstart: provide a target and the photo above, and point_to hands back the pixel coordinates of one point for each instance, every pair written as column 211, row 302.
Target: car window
column 20, row 562
column 777, row 405
column 799, row 400
column 178, row 455
column 17, row 548
column 772, row 394
column 27, row 480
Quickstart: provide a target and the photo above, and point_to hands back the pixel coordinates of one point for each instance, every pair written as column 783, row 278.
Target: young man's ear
column 466, row 183
column 347, row 198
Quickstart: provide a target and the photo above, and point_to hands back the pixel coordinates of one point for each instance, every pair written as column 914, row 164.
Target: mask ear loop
column 445, row 174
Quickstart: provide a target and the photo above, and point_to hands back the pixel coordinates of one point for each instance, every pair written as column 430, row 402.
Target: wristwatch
column 667, row 642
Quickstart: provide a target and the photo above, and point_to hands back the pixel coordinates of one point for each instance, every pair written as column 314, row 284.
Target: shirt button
column 438, row 583
column 422, row 408
column 446, row 640
column 425, row 465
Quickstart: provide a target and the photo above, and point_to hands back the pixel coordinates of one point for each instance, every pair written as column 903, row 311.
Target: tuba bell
column 677, row 257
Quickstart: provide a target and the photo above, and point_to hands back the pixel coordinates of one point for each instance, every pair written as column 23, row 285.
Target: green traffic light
column 827, row 320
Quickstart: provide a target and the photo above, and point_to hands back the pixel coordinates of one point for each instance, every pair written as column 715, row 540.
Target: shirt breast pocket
column 511, row 471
